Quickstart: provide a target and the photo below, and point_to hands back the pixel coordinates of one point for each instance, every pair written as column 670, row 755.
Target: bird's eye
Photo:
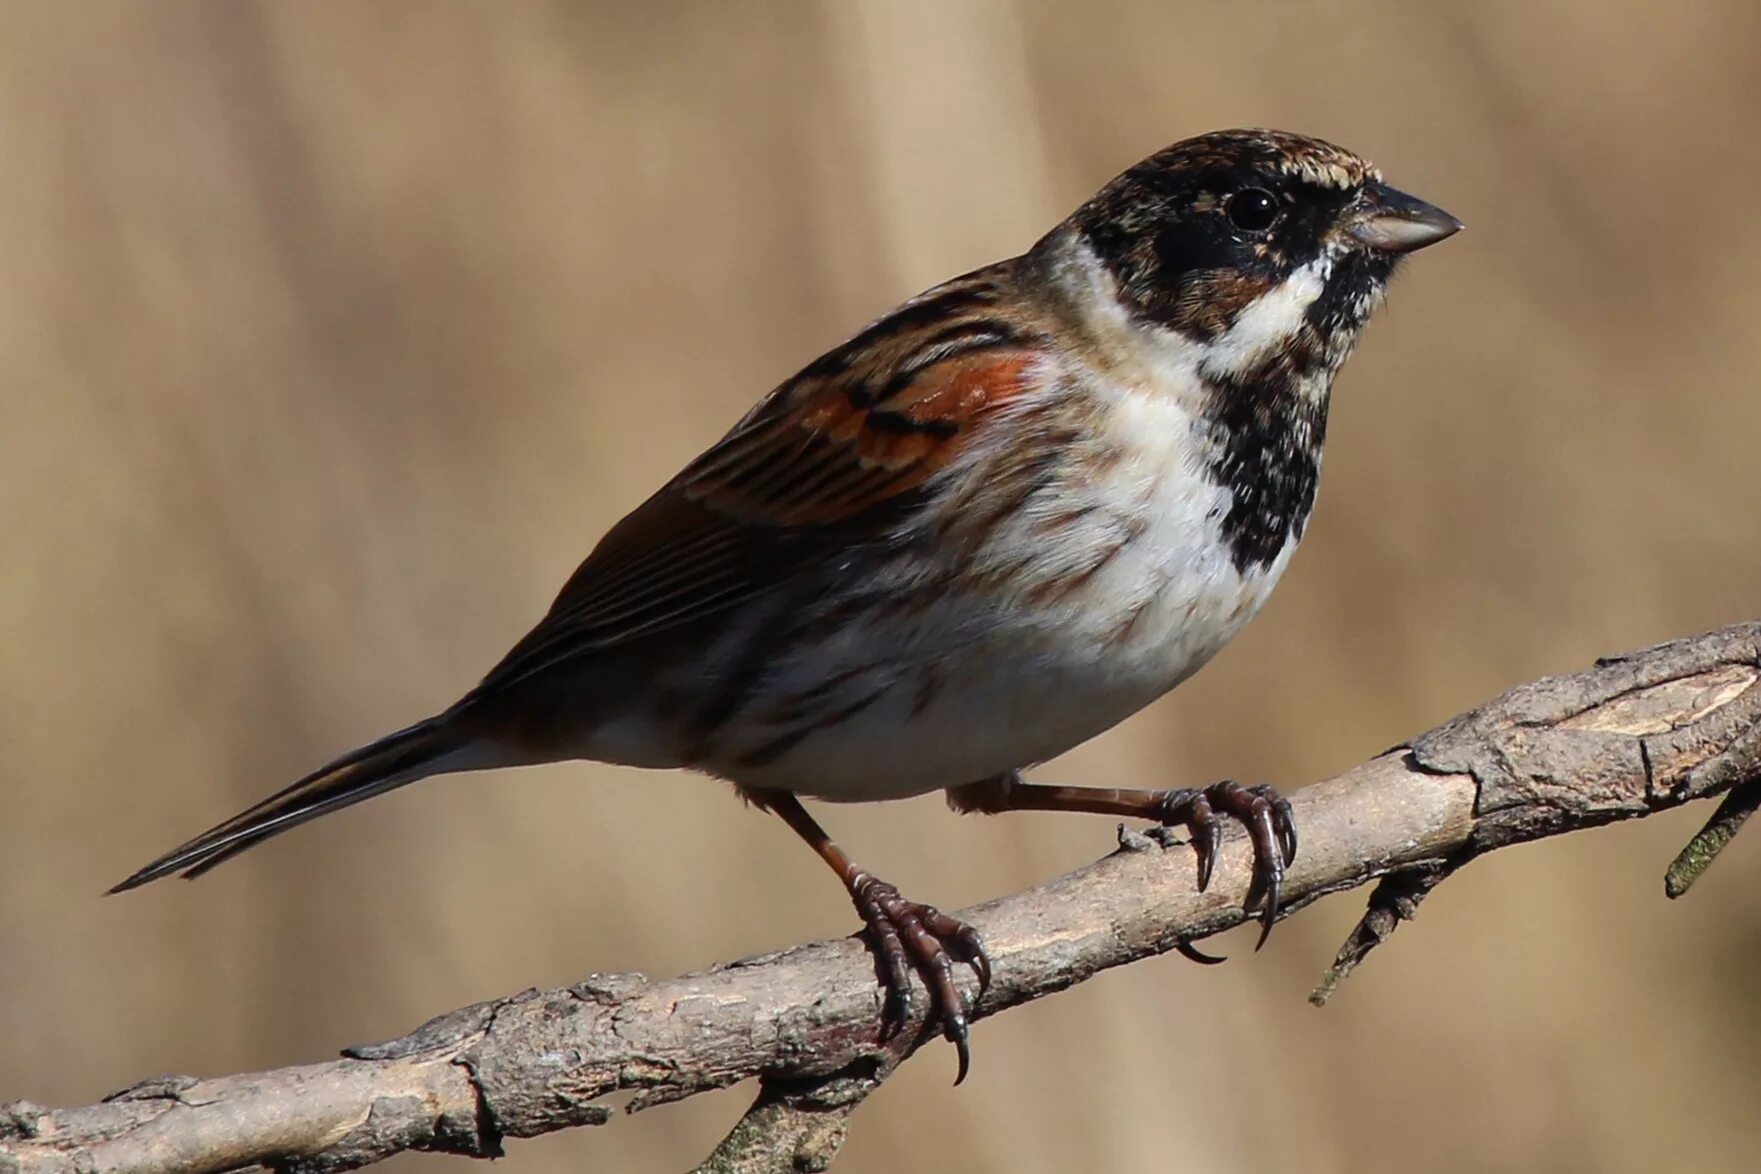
column 1252, row 210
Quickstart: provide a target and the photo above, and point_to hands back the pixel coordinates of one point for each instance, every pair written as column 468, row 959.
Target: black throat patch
column 1268, row 423
column 1265, row 445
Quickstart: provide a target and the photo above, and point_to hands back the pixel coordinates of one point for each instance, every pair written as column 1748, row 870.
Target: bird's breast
column 1166, row 591
column 1066, row 590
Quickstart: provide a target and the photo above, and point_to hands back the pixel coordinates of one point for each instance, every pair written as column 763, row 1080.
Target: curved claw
column 1269, row 913
column 909, row 936
column 1204, row 832
column 1284, row 820
column 954, row 1028
column 1268, row 850
column 1207, row 841
column 970, row 946
column 980, row 963
column 1192, row 953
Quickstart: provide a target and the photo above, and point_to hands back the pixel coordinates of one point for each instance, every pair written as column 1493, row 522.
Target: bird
column 991, row 525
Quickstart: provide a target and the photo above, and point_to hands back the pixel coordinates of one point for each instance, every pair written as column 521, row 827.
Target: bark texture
column 1633, row 735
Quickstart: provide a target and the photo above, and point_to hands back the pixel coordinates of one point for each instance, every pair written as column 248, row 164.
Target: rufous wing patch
column 827, row 453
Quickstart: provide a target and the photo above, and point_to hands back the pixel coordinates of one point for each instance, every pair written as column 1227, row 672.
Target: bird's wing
column 829, row 458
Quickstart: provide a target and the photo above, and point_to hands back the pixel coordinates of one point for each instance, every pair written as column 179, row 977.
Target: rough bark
column 1633, row 735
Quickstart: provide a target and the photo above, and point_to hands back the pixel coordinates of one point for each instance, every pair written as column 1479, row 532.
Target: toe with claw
column 1267, row 817
column 911, row 936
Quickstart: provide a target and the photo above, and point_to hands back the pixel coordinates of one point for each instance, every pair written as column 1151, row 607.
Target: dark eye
column 1253, row 210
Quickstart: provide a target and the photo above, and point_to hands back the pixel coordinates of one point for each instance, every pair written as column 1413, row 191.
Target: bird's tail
column 431, row 747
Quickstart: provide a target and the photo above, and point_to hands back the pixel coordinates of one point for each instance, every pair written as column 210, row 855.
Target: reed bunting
column 996, row 522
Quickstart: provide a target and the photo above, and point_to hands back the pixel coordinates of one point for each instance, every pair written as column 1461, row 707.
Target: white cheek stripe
column 1176, row 363
column 1268, row 321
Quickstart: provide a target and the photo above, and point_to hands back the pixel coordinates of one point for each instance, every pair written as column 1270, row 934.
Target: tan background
column 332, row 336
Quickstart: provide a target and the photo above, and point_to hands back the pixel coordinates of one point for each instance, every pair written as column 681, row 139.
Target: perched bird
column 996, row 522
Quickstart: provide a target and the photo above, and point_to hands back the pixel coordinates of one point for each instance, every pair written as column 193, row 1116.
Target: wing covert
column 830, row 457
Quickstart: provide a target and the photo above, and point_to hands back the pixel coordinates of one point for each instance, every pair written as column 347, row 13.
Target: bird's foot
column 1266, row 815
column 921, row 937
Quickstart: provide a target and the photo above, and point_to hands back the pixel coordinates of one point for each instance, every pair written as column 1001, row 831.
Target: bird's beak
column 1394, row 222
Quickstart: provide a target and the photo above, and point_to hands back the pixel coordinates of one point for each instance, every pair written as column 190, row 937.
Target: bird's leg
column 1262, row 810
column 906, row 934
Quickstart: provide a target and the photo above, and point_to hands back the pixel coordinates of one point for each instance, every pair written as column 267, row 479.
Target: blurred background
column 332, row 336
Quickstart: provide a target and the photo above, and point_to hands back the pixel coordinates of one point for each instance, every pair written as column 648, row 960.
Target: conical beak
column 1394, row 222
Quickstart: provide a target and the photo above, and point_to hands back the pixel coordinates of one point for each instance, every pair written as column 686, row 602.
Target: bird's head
column 1255, row 245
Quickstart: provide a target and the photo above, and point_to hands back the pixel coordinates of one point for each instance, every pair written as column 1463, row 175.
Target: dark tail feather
column 394, row 760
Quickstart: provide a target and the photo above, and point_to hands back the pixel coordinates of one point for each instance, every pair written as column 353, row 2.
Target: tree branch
column 1631, row 736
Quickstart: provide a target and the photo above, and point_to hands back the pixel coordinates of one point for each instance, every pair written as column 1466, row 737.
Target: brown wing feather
column 817, row 463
